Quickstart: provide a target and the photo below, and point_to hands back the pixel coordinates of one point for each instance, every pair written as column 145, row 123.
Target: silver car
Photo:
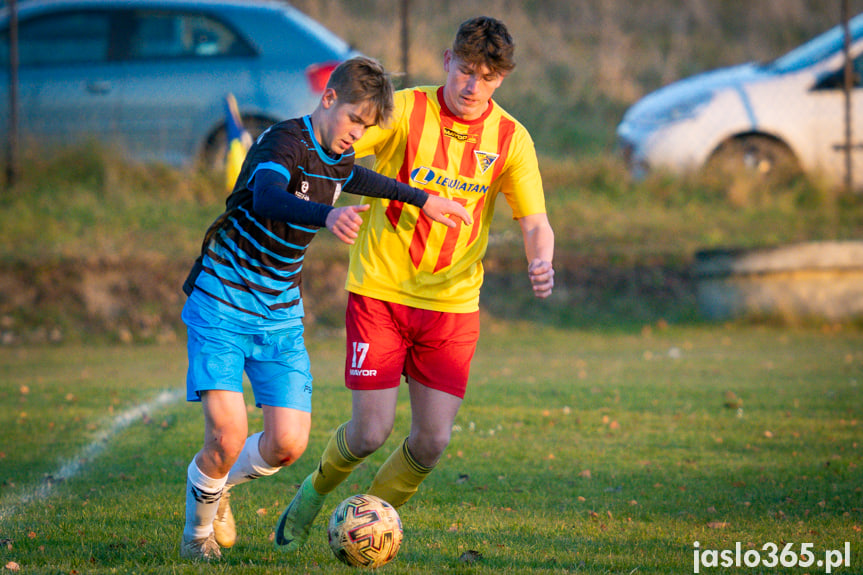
column 151, row 76
column 789, row 112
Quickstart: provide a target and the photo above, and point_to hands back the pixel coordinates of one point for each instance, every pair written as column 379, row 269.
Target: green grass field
column 575, row 452
column 605, row 431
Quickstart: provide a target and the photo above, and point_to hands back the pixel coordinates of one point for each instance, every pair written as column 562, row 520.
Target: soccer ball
column 365, row 531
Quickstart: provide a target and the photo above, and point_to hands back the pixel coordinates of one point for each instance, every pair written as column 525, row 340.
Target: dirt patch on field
column 55, row 301
column 140, row 299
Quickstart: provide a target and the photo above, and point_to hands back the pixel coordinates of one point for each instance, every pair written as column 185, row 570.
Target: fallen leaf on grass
column 585, row 474
column 261, row 512
column 732, row 401
column 12, row 566
column 718, row 524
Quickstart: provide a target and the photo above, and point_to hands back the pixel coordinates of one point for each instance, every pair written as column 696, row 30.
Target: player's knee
column 427, row 448
column 287, row 450
column 289, row 456
column 369, row 440
column 224, row 449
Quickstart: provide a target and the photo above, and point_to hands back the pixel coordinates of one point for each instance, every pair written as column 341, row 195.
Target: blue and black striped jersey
column 251, row 266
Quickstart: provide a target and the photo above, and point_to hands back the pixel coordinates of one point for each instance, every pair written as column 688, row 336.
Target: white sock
column 249, row 465
column 202, row 502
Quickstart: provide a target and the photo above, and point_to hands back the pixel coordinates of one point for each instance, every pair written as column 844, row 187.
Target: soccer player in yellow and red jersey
column 413, row 306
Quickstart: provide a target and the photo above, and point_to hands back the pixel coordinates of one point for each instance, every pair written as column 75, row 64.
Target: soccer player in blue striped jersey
column 244, row 311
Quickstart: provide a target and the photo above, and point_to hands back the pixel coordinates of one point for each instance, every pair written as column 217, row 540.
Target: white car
column 790, row 111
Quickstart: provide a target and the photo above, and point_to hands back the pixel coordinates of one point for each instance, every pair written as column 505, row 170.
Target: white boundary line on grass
column 74, row 465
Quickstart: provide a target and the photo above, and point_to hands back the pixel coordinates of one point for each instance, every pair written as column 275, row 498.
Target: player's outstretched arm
column 438, row 208
column 369, row 183
column 539, row 248
column 345, row 222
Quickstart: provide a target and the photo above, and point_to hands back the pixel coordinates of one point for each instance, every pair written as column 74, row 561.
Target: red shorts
column 387, row 340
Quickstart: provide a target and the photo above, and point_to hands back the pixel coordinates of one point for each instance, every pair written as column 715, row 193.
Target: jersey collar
column 445, row 111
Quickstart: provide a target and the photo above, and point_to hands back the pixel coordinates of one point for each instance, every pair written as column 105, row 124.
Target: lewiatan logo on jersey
column 424, row 176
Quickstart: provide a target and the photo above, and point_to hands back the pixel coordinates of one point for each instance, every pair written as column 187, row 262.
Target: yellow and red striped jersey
column 404, row 257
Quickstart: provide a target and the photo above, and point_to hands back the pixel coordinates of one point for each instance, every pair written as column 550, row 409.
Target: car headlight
column 684, row 109
column 657, row 113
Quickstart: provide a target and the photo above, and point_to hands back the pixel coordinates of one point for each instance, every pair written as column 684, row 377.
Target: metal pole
column 848, row 86
column 406, row 82
column 12, row 170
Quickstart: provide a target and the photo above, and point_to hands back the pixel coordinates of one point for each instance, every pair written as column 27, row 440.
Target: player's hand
column 541, row 274
column 345, row 222
column 438, row 208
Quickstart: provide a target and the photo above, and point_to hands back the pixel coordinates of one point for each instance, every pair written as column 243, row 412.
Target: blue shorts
column 276, row 362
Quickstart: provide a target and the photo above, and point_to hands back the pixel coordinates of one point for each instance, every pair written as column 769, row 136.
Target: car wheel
column 754, row 156
column 213, row 154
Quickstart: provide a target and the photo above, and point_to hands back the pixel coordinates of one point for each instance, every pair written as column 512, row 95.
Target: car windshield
column 818, row 48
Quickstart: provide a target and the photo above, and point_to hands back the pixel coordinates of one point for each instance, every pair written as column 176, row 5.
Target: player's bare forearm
column 438, row 208
column 539, row 249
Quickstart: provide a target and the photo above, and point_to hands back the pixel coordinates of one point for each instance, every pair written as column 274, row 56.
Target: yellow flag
column 238, row 142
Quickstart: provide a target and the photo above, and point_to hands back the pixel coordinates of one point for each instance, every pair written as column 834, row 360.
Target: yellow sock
column 336, row 463
column 399, row 477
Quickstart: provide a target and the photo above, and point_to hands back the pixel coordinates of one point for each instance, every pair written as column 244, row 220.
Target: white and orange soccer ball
column 365, row 531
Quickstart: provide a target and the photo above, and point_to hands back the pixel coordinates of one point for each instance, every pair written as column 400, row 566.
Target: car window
column 818, row 48
column 59, row 39
column 182, row 35
column 835, row 80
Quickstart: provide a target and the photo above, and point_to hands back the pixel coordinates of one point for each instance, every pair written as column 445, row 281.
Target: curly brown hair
column 485, row 41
